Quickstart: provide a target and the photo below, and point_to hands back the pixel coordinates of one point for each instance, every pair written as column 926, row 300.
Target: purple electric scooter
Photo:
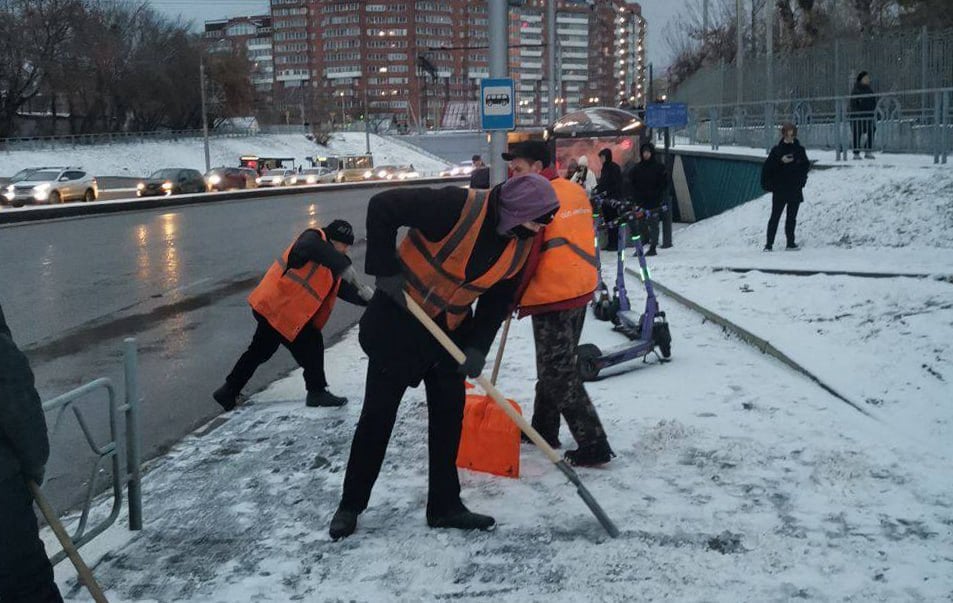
column 647, row 331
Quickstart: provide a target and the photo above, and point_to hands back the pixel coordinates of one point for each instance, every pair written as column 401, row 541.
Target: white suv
column 52, row 185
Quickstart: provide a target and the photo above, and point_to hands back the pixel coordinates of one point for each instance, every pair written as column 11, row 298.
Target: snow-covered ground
column 141, row 159
column 737, row 479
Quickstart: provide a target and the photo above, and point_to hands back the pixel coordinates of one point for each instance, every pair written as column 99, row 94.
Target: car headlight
column 312, row 179
column 214, row 179
column 167, row 186
column 368, row 174
column 42, row 187
column 257, row 180
column 140, row 186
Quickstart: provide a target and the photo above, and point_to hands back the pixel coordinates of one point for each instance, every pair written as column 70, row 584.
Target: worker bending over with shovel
column 556, row 293
column 292, row 303
column 462, row 245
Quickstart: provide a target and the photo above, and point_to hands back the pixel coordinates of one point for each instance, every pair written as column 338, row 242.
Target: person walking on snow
column 463, row 246
column 863, row 105
column 292, row 303
column 784, row 175
column 560, row 278
column 649, row 181
column 26, row 575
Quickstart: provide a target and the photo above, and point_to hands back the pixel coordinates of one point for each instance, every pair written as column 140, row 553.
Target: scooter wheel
column 588, row 355
column 603, row 310
column 663, row 338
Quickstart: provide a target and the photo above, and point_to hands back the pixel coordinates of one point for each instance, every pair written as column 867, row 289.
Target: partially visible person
column 784, row 175
column 463, row 248
column 26, row 575
column 583, row 175
column 291, row 305
column 649, row 180
column 558, row 283
column 480, row 176
column 863, row 105
column 613, row 205
column 571, row 167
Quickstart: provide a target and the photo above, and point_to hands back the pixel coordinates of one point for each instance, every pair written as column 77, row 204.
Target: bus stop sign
column 496, row 107
column 666, row 115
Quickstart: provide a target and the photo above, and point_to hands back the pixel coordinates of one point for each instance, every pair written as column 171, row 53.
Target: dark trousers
column 649, row 229
column 858, row 128
column 778, row 205
column 26, row 575
column 382, row 394
column 307, row 349
column 559, row 389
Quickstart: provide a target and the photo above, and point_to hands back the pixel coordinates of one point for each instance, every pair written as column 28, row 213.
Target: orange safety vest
column 567, row 263
column 436, row 272
column 291, row 298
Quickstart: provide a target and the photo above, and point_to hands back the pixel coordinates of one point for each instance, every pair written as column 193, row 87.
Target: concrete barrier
column 70, row 210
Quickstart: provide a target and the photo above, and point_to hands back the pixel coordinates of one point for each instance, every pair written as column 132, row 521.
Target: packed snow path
column 737, row 479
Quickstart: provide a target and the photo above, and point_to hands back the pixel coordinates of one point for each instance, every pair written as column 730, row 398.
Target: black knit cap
column 340, row 231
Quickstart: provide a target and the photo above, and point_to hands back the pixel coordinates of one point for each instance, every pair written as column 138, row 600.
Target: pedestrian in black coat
column 610, row 185
column 784, row 175
column 649, row 180
column 861, row 109
column 480, row 176
column 26, row 575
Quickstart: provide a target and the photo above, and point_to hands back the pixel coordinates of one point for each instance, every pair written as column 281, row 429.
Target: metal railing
column 123, row 474
column 913, row 121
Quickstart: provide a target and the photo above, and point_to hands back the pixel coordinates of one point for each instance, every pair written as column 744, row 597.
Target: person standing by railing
column 863, row 104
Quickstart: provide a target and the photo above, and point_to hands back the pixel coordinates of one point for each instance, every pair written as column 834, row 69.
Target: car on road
column 50, row 185
column 461, row 169
column 394, row 172
column 355, row 168
column 171, row 181
column 229, row 178
column 317, row 175
column 275, row 177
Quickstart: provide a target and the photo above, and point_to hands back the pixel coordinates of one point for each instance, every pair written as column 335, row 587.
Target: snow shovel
column 533, row 435
column 81, row 568
column 499, row 352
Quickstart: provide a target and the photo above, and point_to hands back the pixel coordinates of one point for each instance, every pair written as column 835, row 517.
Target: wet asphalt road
column 175, row 279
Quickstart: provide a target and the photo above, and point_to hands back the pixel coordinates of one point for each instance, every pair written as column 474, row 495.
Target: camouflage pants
column 559, row 389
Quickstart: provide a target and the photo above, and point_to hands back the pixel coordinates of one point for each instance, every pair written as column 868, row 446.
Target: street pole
column 704, row 21
column 769, row 44
column 367, row 120
column 499, row 28
column 551, row 58
column 739, row 62
column 343, row 119
column 208, row 162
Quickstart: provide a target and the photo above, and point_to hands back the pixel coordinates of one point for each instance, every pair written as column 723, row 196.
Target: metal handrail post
column 134, row 485
column 937, row 127
column 945, row 123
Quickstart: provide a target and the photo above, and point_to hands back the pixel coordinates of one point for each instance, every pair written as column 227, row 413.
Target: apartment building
column 251, row 35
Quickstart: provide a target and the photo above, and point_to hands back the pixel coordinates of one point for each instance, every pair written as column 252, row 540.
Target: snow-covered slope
column 141, row 159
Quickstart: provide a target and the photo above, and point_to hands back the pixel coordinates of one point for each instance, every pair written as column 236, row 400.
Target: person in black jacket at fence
column 784, row 175
column 649, row 180
column 26, row 575
column 610, row 187
column 863, row 104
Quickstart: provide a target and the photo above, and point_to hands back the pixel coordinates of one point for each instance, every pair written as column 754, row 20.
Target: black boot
column 651, row 251
column 590, row 455
column 324, row 398
column 343, row 523
column 226, row 397
column 461, row 519
column 552, row 441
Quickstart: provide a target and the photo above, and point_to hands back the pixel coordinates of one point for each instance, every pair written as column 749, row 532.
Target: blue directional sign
column 666, row 115
column 497, row 110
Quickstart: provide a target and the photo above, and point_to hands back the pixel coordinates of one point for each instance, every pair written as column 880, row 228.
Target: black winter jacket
column 24, row 446
column 862, row 101
column 391, row 335
column 786, row 180
column 311, row 247
column 649, row 182
column 610, row 180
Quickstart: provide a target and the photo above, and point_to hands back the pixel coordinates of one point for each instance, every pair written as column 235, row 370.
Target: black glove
column 35, row 474
column 474, row 363
column 393, row 286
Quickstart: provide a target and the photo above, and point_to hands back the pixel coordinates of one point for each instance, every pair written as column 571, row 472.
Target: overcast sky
column 656, row 12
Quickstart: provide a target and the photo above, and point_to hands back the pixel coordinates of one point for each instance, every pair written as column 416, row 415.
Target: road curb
column 35, row 214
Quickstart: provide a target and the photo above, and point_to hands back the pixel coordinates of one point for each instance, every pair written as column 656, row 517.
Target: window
column 240, row 29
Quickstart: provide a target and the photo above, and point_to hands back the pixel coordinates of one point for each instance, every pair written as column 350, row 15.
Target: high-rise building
column 251, row 36
column 420, row 62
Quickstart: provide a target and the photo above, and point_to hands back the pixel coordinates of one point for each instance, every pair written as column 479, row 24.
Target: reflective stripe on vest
column 567, row 263
column 436, row 271
column 290, row 298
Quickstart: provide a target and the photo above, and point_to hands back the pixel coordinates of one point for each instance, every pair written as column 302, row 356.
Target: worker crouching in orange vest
column 292, row 303
column 555, row 293
column 463, row 246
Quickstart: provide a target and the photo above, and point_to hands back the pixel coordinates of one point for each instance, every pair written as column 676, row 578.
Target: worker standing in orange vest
column 292, row 303
column 463, row 245
column 556, row 294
